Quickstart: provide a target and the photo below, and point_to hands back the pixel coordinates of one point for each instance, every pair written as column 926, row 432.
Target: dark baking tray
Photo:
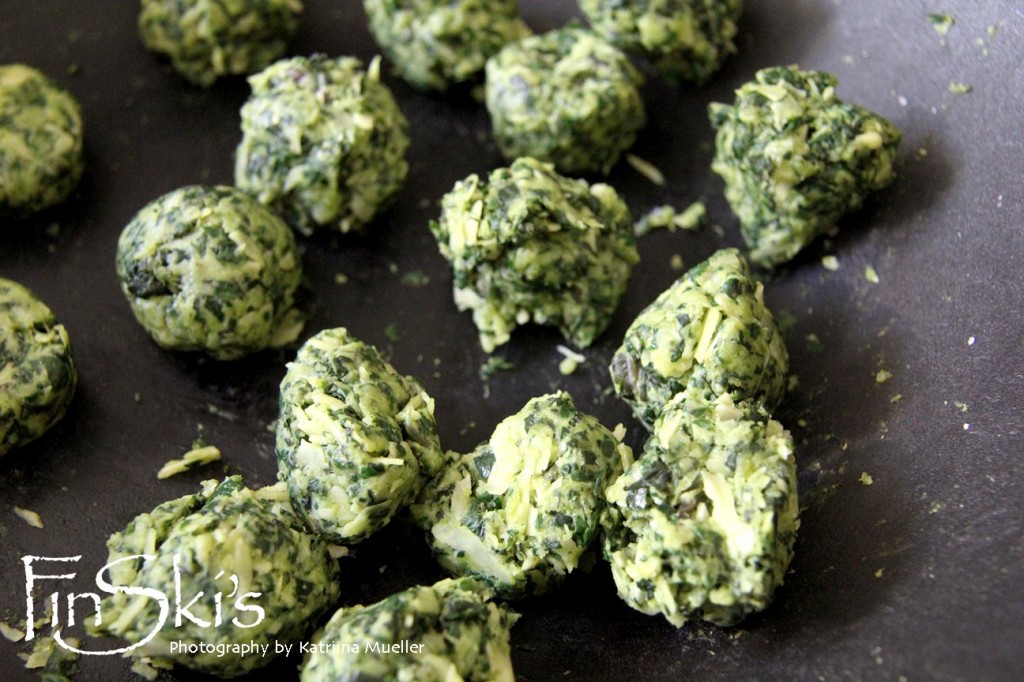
column 919, row 575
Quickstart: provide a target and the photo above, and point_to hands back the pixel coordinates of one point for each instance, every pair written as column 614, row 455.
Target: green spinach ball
column 207, row 39
column 210, row 269
column 323, row 142
column 702, row 525
column 41, row 158
column 436, row 43
column 685, row 39
column 37, row 370
column 527, row 244
column 567, row 97
column 795, row 159
column 355, row 439
column 246, row 568
column 447, row 632
column 519, row 511
column 708, row 334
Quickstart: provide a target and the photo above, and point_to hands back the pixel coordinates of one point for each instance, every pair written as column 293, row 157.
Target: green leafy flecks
column 795, row 158
column 686, row 40
column 529, row 245
column 567, row 97
column 436, row 43
column 41, row 148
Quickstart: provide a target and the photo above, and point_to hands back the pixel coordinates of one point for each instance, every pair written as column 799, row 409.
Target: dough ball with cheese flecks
column 795, row 159
column 439, row 633
column 529, row 245
column 708, row 334
column 37, row 370
column 685, row 39
column 210, row 269
column 208, row 39
column 355, row 439
column 519, row 510
column 437, row 43
column 41, row 158
column 702, row 525
column 247, row 571
column 566, row 97
column 323, row 142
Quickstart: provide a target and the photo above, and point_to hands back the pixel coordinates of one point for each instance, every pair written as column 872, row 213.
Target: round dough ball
column 40, row 141
column 439, row 633
column 795, row 158
column 435, row 43
column 228, row 549
column 702, row 525
column 323, row 142
column 207, row 39
column 567, row 97
column 211, row 269
column 708, row 334
column 519, row 511
column 686, row 39
column 37, row 371
column 355, row 439
column 527, row 244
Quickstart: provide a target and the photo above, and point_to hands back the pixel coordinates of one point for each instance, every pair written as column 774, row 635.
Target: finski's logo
column 242, row 603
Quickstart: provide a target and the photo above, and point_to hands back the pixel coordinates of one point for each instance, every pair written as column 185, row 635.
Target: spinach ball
column 529, row 245
column 795, row 159
column 709, row 334
column 208, row 39
column 446, row 632
column 323, row 142
column 567, row 97
column 437, row 43
column 247, row 571
column 210, row 269
column 702, row 525
column 519, row 510
column 685, row 39
column 355, row 439
column 41, row 158
column 37, row 370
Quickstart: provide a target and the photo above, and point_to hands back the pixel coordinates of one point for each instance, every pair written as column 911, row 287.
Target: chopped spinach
column 795, row 158
column 527, row 244
column 37, row 370
column 210, row 269
column 567, row 97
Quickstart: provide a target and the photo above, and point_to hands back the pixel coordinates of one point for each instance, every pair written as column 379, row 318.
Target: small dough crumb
column 29, row 517
column 192, row 459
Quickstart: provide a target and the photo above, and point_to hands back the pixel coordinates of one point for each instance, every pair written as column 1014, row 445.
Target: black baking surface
column 919, row 575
